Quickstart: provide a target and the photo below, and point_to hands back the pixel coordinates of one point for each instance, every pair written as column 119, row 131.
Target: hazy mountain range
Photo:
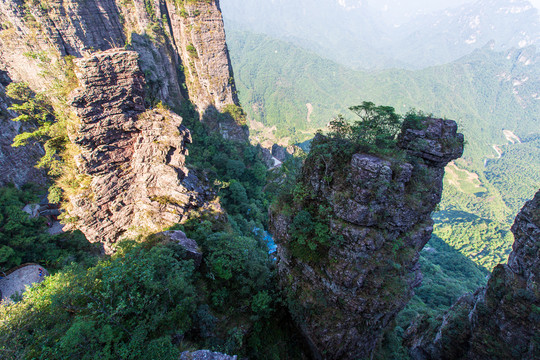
column 369, row 34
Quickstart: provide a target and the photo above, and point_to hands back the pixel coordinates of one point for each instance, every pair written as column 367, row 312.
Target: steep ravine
column 377, row 211
column 500, row 321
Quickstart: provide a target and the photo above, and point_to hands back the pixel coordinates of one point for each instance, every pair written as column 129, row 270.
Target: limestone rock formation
column 283, row 153
column 500, row 321
column 348, row 251
column 191, row 249
column 134, row 157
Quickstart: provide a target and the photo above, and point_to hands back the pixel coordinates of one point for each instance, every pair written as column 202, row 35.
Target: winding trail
column 498, row 151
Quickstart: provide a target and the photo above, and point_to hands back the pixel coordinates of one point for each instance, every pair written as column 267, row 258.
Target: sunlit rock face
column 181, row 46
column 134, row 157
column 379, row 210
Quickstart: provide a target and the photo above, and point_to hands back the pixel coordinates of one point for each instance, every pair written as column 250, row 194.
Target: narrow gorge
column 126, row 121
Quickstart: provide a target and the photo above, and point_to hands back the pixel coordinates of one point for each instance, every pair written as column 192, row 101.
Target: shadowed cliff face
column 134, row 157
column 374, row 217
column 17, row 164
column 500, row 321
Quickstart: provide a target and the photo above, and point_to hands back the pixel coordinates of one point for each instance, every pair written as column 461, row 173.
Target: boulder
column 190, row 246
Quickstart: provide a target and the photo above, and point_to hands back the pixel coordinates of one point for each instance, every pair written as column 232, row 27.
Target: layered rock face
column 135, row 157
column 32, row 31
column 180, row 43
column 500, row 321
column 378, row 213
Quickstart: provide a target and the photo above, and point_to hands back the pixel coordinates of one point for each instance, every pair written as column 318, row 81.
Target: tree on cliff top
column 378, row 126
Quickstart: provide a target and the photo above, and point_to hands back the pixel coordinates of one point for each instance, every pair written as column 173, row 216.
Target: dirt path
column 511, row 137
column 309, row 111
column 498, row 150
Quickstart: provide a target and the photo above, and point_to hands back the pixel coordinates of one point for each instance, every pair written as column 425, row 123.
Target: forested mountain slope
column 492, row 95
column 380, row 35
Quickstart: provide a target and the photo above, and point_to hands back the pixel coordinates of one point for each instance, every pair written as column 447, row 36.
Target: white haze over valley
column 374, row 34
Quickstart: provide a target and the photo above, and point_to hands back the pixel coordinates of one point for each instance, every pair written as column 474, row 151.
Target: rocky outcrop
column 283, row 153
column 347, row 248
column 190, row 38
column 135, row 158
column 191, row 250
column 181, row 46
column 34, row 34
column 500, row 321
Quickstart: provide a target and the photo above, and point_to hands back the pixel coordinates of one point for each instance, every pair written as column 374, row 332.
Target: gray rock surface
column 282, row 153
column 32, row 210
column 379, row 218
column 18, row 279
column 205, row 355
column 190, row 246
column 180, row 44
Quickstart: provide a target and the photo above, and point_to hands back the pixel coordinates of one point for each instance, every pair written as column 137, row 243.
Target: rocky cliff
column 178, row 42
column 130, row 158
column 500, row 321
column 133, row 158
column 347, row 247
column 181, row 47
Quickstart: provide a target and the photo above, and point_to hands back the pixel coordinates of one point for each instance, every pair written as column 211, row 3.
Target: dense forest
column 147, row 298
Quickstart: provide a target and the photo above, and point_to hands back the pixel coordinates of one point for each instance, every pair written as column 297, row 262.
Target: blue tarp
column 267, row 237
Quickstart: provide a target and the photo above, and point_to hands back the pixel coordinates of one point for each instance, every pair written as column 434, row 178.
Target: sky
column 399, row 11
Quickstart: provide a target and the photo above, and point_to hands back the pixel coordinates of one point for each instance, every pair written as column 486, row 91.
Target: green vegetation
column 192, row 51
column 48, row 119
column 447, row 275
column 486, row 242
column 237, row 113
column 375, row 132
column 516, row 175
column 147, row 298
column 126, row 307
column 276, row 80
column 24, row 239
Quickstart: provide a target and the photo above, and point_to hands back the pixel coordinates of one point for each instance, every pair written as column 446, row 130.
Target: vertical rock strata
column 135, row 157
column 181, row 44
column 55, row 28
column 199, row 36
column 182, row 56
column 379, row 219
column 500, row 321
